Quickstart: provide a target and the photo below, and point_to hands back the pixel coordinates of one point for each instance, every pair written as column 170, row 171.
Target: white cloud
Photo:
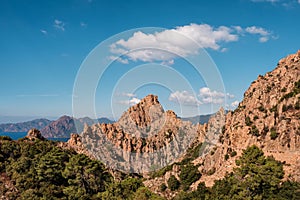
column 168, row 62
column 211, row 96
column 235, row 104
column 184, row 98
column 299, row 1
column 263, row 39
column 130, row 102
column 167, row 45
column 60, row 25
column 259, row 31
column 205, row 96
column 44, row 32
column 119, row 59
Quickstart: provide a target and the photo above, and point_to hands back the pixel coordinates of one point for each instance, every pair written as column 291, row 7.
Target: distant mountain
column 202, row 119
column 24, row 126
column 65, row 125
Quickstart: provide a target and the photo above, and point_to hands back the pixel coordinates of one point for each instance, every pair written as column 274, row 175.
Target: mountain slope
column 24, row 126
column 65, row 125
column 144, row 137
column 268, row 117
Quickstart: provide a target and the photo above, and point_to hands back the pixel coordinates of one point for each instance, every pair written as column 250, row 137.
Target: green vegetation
column 163, row 187
column 254, row 131
column 173, row 183
column 226, row 157
column 273, row 133
column 261, row 109
column 257, row 177
column 296, row 90
column 41, row 170
column 233, row 153
column 248, row 121
column 188, row 175
column 283, row 89
column 191, row 154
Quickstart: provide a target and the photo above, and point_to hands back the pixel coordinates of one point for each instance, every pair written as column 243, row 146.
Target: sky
column 96, row 58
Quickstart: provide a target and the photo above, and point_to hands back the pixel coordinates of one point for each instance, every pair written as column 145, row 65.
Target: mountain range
column 252, row 152
column 267, row 117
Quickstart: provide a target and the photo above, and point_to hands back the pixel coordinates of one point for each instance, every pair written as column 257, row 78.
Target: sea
column 18, row 135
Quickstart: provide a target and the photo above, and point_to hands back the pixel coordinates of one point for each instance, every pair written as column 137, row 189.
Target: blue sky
column 44, row 43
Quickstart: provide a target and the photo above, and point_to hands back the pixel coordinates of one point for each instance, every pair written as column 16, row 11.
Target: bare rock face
column 34, row 134
column 268, row 117
column 145, row 138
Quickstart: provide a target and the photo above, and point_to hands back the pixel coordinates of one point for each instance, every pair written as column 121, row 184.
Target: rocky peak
column 143, row 129
column 268, row 117
column 141, row 114
column 33, row 134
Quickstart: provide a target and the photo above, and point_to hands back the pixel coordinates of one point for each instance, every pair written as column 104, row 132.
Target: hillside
column 24, row 126
column 267, row 117
column 65, row 125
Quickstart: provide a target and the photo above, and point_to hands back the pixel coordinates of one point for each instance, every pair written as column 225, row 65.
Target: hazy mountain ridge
column 24, row 126
column 65, row 125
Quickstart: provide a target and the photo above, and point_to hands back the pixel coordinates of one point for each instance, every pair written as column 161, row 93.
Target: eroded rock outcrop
column 268, row 117
column 34, row 134
column 146, row 137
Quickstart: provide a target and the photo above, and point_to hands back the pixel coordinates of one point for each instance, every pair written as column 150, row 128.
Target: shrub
column 284, row 108
column 273, row 134
column 211, row 171
column 297, row 105
column 226, row 157
column 188, row 175
column 248, row 121
column 232, row 154
column 163, row 187
column 255, row 117
column 254, row 131
column 261, row 108
column 173, row 183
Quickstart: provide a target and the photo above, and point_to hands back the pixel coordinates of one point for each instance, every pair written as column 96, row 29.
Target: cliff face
column 146, row 137
column 268, row 117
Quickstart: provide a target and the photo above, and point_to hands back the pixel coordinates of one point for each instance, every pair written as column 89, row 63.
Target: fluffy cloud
column 184, row 98
column 211, row 96
column 205, row 96
column 235, row 104
column 59, row 25
column 169, row 44
column 130, row 102
column 119, row 59
column 264, row 34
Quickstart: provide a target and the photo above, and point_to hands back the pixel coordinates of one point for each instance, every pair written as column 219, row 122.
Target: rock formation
column 146, row 137
column 34, row 134
column 268, row 117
